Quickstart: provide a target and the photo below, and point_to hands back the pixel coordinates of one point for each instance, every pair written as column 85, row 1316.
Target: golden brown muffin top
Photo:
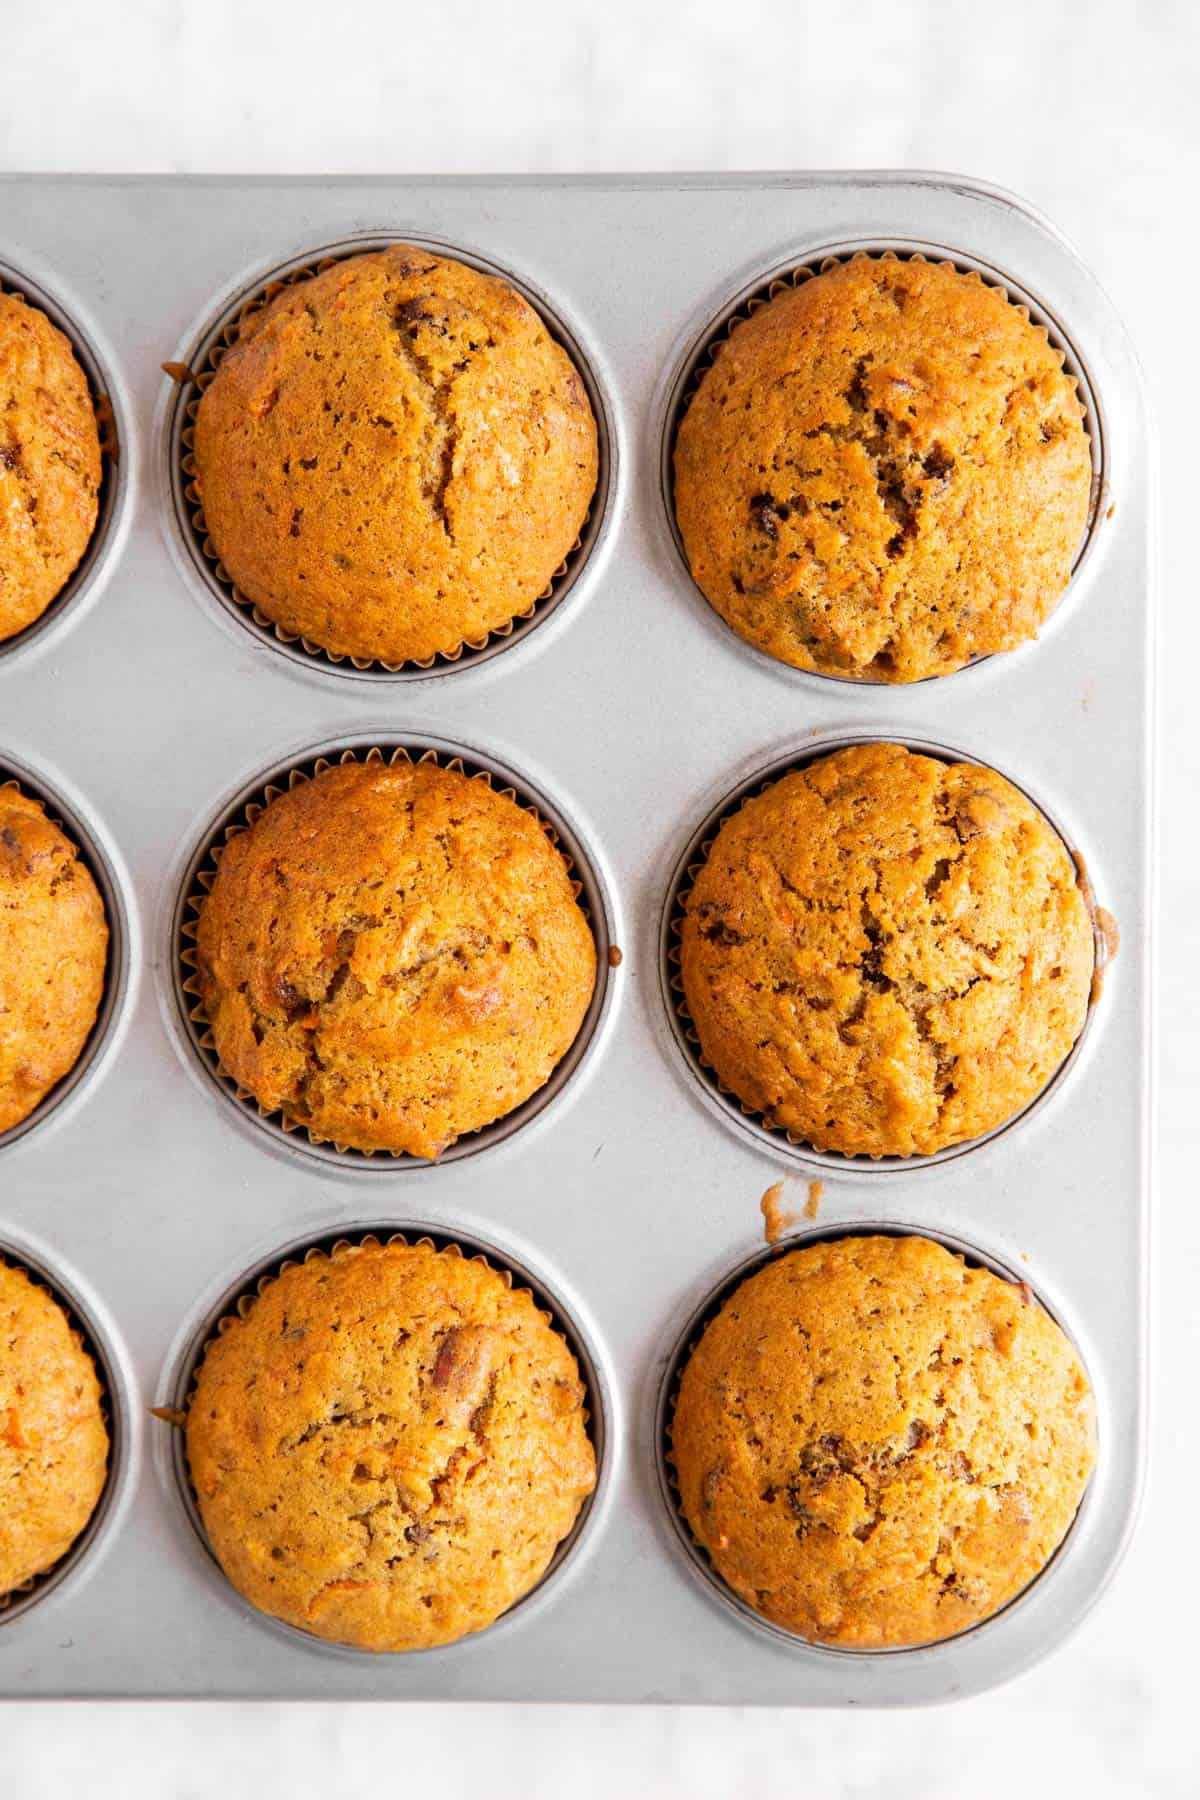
column 393, row 955
column 53, row 1441
column 395, row 457
column 879, row 1446
column 53, row 953
column 389, row 1448
column 884, row 473
column 884, row 954
column 49, row 464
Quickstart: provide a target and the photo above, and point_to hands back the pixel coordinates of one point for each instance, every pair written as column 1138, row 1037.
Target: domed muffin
column 53, row 1440
column 49, row 464
column 389, row 1447
column 884, row 473
column 394, row 457
column 885, row 954
column 53, row 954
column 879, row 1446
column 393, row 955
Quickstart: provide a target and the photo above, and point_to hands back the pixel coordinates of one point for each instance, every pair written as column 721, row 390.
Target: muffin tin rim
column 692, row 349
column 570, row 1319
column 585, row 562
column 119, row 473
column 725, row 799
column 90, row 1317
column 682, row 1343
column 123, row 965
column 579, row 843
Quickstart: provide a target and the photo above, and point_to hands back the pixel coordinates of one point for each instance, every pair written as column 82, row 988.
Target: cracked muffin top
column 53, row 955
column 394, row 457
column 884, row 473
column 879, row 1446
column 53, row 1440
column 49, row 464
column 393, row 955
column 389, row 1447
column 884, row 954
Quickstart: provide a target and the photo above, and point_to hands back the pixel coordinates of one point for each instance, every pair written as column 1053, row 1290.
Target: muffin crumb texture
column 50, row 464
column 392, row 956
column 884, row 954
column 388, row 1449
column 879, row 1446
column 394, row 458
column 53, row 1440
column 53, row 952
column 884, row 473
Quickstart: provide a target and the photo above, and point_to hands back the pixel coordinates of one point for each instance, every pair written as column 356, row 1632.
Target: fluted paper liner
column 220, row 577
column 803, row 272
column 197, row 1019
column 677, row 904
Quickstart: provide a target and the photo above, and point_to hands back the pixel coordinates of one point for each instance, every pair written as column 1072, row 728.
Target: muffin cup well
column 697, row 1556
column 120, row 975
column 589, row 887
column 200, row 555
column 748, row 300
column 178, row 1386
column 116, row 473
column 773, row 1139
column 117, row 1410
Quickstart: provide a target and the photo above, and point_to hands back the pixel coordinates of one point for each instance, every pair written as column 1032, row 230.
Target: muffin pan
column 630, row 716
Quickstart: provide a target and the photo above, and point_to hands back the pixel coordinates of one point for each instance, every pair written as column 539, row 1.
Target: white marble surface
column 1088, row 108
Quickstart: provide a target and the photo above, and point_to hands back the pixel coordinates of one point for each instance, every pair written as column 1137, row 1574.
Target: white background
column 1087, row 107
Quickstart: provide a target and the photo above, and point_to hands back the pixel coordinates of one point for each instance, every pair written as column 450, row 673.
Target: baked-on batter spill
column 885, row 954
column 884, row 473
column 393, row 955
column 50, row 467
column 53, row 955
column 53, row 1440
column 389, row 1447
column 879, row 1446
column 395, row 457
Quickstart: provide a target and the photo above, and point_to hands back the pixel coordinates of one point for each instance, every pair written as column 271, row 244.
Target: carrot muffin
column 884, row 954
column 53, row 1441
column 879, row 1446
column 53, row 952
column 389, row 1447
column 884, row 473
column 395, row 457
column 393, row 955
column 49, row 464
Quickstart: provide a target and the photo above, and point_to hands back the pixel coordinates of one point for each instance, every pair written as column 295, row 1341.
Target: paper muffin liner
column 26, row 1594
column 238, row 1306
column 190, row 510
column 668, row 1399
column 585, row 887
column 20, row 287
column 81, row 1069
column 1104, row 935
column 709, row 347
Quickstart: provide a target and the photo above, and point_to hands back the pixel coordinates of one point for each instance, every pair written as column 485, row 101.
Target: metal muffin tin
column 635, row 713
